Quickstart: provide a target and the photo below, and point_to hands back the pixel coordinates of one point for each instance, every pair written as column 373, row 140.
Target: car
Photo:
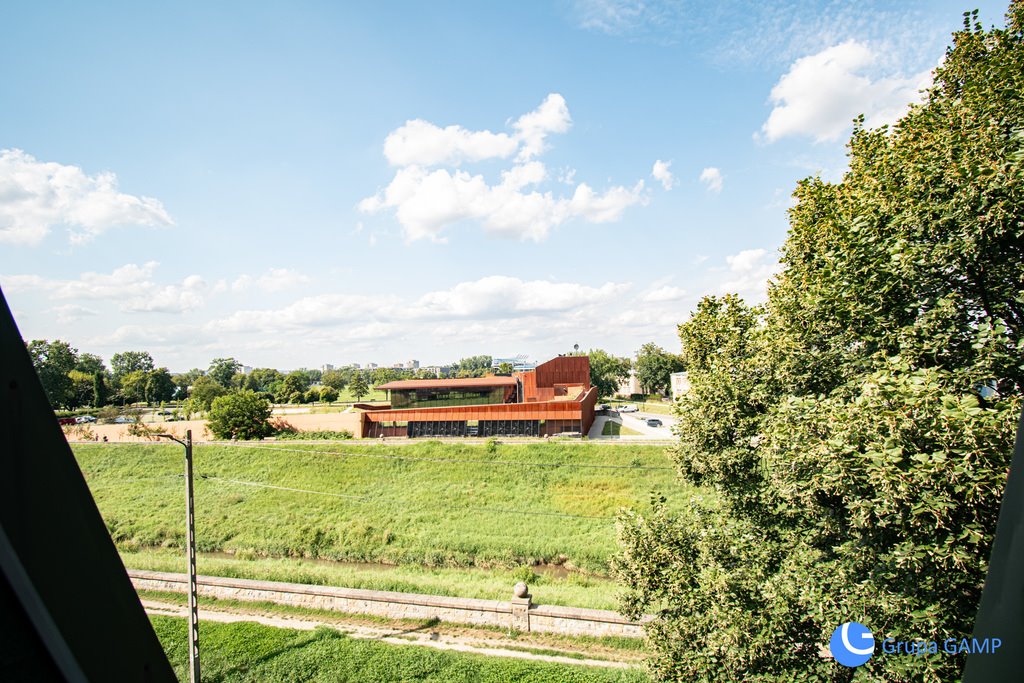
column 653, row 422
column 84, row 419
column 123, row 420
column 628, row 409
column 164, row 412
column 172, row 418
column 600, row 406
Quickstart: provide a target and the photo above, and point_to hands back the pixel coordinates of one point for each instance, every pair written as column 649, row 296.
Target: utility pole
column 193, row 586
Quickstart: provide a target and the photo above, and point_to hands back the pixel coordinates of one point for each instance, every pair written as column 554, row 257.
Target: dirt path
column 425, row 636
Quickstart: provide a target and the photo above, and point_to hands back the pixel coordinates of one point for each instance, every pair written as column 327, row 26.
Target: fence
column 516, row 614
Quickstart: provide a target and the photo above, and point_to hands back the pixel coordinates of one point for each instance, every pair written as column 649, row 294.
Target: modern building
column 412, row 365
column 554, row 398
column 326, row 367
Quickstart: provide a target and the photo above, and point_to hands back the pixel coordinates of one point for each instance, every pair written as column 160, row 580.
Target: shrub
column 242, row 415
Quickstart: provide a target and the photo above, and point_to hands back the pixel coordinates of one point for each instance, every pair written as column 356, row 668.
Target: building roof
column 462, row 383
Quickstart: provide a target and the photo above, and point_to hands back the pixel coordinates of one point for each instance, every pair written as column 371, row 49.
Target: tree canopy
column 857, row 427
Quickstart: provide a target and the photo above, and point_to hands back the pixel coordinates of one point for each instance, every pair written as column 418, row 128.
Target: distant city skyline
column 299, row 184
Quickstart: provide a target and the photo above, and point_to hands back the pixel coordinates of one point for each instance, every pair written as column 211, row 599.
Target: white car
column 83, row 419
column 628, row 409
column 122, row 420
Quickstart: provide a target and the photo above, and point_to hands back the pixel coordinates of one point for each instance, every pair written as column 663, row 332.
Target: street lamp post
column 193, row 592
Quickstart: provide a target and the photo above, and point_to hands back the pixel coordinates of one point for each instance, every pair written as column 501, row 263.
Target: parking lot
column 636, row 422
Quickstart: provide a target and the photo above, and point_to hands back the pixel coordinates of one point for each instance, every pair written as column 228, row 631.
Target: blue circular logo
column 852, row 644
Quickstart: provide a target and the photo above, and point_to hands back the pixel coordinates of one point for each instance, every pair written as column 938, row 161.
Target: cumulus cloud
column 426, row 200
column 821, row 94
column 503, row 296
column 36, row 196
column 131, row 285
column 69, row 313
column 274, row 280
column 661, row 173
column 748, row 274
column 712, row 179
column 666, row 293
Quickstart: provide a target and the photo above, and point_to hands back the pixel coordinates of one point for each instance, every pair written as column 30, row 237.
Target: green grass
column 617, row 429
column 574, row 590
column 660, row 408
column 247, row 651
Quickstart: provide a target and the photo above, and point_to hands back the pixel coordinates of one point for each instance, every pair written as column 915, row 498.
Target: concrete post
column 521, row 600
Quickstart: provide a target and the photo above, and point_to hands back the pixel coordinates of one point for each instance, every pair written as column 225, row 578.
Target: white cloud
column 661, row 173
column 68, row 313
column 503, row 296
column 131, row 285
column 712, row 179
column 821, row 94
column 748, row 274
column 274, row 280
column 666, row 293
column 308, row 312
column 427, row 200
column 36, row 196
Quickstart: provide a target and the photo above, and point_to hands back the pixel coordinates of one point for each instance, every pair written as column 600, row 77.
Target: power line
column 283, row 488
column 458, row 461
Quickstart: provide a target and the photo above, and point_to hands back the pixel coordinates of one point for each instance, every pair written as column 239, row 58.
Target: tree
column 80, row 392
column 133, row 386
column 312, row 395
column 130, row 361
column 607, row 372
column 328, row 394
column 262, row 379
column 99, row 389
column 159, row 386
column 358, row 387
column 654, row 368
column 53, row 361
column 296, row 381
column 204, row 391
column 505, row 369
column 240, row 415
column 89, row 363
column 473, row 366
column 335, row 379
column 223, row 370
column 857, row 428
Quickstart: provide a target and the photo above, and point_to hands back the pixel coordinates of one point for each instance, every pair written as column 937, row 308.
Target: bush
column 322, row 435
column 242, row 415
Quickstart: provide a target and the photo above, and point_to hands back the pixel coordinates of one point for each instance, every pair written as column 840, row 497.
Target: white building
column 326, row 367
column 680, row 384
column 412, row 365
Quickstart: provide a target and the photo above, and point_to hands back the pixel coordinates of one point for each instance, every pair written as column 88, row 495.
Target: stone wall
column 517, row 613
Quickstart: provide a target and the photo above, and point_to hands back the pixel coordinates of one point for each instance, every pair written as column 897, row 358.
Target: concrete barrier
column 515, row 614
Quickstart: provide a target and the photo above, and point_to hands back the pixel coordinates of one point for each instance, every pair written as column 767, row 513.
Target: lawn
column 247, row 651
column 430, row 507
column 617, row 429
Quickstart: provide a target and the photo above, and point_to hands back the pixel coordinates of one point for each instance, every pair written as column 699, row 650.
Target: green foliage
column 133, row 386
column 159, row 386
column 241, row 415
column 296, row 381
column 223, row 370
column 336, row 379
column 607, row 372
column 204, row 391
column 53, row 361
column 130, row 361
column 844, row 423
column 90, row 364
column 99, row 389
column 247, row 651
column 654, row 368
column 328, row 394
column 359, row 388
column 320, row 435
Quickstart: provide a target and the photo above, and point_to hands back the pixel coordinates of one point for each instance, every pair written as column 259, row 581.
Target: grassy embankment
column 662, row 408
column 247, row 651
column 617, row 429
column 453, row 528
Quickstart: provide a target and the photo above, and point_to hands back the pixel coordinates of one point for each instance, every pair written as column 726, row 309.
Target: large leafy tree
column 53, row 361
column 858, row 427
column 607, row 372
column 223, row 370
column 240, row 415
column 130, row 361
column 654, row 368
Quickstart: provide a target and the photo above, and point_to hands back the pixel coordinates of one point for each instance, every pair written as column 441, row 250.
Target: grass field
column 617, row 429
column 428, row 507
column 248, row 651
column 647, row 407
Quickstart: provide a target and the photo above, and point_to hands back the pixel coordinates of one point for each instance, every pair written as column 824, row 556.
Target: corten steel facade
column 554, row 398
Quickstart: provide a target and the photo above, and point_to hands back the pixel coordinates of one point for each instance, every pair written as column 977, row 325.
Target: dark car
column 653, row 422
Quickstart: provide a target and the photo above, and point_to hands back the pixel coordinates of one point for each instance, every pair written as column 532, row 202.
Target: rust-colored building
column 554, row 398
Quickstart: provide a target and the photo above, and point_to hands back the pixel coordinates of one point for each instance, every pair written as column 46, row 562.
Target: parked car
column 123, row 420
column 66, row 421
column 172, row 418
column 164, row 412
column 83, row 419
column 653, row 422
column 628, row 409
column 600, row 406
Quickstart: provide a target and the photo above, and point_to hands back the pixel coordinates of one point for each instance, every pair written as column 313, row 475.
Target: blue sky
column 302, row 183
